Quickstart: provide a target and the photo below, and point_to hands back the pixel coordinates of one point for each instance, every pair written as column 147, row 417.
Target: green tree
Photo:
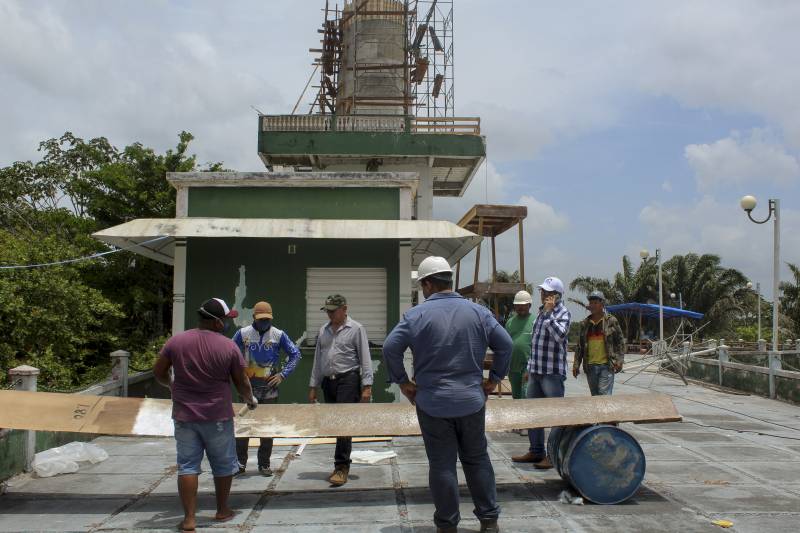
column 709, row 288
column 48, row 211
column 51, row 318
column 705, row 286
column 790, row 300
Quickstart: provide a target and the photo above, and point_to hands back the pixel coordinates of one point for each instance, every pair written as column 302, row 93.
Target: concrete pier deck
column 734, row 457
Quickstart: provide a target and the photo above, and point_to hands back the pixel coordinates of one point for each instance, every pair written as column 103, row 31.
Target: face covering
column 227, row 326
column 262, row 325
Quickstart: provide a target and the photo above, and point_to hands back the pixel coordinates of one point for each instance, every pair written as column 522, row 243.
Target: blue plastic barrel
column 604, row 464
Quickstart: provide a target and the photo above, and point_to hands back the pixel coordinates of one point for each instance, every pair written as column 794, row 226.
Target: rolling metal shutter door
column 364, row 289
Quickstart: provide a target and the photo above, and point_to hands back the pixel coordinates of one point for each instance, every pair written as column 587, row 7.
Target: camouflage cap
column 597, row 295
column 333, row 302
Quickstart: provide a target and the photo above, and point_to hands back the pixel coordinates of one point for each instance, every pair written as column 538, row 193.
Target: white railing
column 369, row 123
column 296, row 122
column 372, row 123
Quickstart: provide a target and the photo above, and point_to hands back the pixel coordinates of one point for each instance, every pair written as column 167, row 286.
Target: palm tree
column 629, row 285
column 790, row 300
column 707, row 287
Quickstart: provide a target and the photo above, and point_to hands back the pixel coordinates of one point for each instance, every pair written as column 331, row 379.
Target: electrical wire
column 743, row 430
column 725, row 409
column 85, row 258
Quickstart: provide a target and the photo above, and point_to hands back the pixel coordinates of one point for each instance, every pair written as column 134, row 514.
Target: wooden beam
column 110, row 415
column 478, row 252
column 521, row 253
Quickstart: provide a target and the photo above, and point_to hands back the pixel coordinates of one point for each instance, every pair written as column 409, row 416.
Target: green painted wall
column 272, row 274
column 375, row 143
column 261, row 202
column 12, row 448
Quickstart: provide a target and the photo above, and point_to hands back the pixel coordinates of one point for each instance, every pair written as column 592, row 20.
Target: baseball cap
column 552, row 284
column 262, row 310
column 333, row 302
column 217, row 308
column 597, row 295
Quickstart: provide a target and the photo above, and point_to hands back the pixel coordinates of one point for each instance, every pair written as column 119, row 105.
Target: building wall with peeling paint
column 275, row 275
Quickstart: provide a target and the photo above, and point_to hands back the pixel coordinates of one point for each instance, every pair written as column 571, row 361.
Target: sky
column 621, row 125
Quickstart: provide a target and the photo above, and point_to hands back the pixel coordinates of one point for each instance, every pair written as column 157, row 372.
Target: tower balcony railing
column 373, row 123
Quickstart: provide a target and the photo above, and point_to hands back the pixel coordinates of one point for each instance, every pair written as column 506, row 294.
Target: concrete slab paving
column 694, row 475
column 740, row 498
column 55, row 514
column 330, row 507
column 739, row 454
column 674, row 472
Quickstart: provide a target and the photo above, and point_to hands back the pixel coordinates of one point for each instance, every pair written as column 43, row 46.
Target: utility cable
column 743, row 430
column 85, row 258
column 723, row 409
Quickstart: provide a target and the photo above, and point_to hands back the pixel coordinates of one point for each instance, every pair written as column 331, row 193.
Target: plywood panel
column 149, row 417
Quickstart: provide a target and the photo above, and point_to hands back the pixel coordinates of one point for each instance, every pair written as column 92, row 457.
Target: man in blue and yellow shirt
column 261, row 343
column 601, row 347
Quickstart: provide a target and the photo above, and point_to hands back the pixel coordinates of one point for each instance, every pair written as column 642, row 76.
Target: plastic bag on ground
column 370, row 457
column 64, row 459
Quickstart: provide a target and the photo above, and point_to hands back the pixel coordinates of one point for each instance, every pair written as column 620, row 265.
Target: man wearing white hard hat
column 520, row 326
column 547, row 366
column 448, row 336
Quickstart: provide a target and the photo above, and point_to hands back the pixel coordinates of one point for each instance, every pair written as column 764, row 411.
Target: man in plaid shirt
column 547, row 366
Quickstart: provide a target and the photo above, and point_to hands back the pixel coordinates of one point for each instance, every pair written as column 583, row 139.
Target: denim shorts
column 218, row 441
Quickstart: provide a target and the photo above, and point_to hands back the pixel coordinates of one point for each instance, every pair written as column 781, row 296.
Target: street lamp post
column 758, row 306
column 644, row 254
column 748, row 203
column 680, row 299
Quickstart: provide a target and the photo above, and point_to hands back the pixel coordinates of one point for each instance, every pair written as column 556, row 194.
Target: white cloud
column 542, row 218
column 711, row 226
column 738, row 160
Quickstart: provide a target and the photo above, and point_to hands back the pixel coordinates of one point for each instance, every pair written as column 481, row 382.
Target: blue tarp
column 651, row 311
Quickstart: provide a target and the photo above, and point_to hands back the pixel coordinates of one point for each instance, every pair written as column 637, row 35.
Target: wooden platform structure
column 489, row 220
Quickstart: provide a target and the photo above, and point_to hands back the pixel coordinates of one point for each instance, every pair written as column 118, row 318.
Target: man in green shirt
column 519, row 326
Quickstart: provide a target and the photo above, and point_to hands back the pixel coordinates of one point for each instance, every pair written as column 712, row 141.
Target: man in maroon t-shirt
column 204, row 361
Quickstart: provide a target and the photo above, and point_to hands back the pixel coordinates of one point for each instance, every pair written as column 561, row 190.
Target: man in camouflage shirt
column 601, row 347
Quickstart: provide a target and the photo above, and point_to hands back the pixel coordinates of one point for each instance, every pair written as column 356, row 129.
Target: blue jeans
column 215, row 438
column 543, row 386
column 601, row 379
column 447, row 439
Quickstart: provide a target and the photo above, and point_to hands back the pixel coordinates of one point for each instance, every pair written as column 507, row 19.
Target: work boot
column 489, row 526
column 529, row 457
column 339, row 476
column 544, row 464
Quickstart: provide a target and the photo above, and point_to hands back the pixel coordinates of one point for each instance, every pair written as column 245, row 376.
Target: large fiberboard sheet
column 80, row 413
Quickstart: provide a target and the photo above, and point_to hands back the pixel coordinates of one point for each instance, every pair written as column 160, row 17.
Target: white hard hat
column 552, row 284
column 522, row 298
column 433, row 265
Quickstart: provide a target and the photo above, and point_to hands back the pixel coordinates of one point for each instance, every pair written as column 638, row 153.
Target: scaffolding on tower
column 386, row 57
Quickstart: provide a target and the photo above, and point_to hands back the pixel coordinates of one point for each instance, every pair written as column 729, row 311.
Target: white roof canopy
column 428, row 237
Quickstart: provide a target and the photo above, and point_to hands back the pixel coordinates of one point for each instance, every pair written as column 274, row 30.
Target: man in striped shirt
column 547, row 366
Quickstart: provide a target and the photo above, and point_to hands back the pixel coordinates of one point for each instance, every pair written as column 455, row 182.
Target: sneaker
column 265, row 471
column 489, row 526
column 544, row 464
column 529, row 457
column 339, row 476
column 241, row 471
